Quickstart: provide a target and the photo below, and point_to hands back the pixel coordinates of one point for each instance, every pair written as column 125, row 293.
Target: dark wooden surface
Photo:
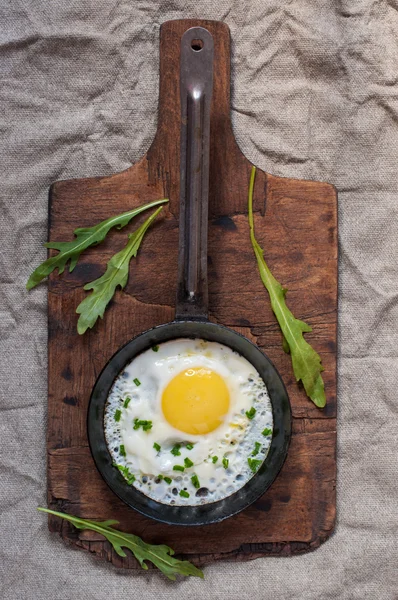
column 296, row 223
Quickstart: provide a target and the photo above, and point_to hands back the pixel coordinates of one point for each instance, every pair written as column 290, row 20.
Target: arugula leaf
column 306, row 361
column 85, row 237
column 159, row 555
column 116, row 274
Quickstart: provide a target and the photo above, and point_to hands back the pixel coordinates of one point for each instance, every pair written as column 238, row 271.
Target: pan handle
column 196, row 87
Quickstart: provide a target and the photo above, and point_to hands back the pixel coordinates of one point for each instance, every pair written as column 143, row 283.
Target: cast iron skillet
column 191, row 321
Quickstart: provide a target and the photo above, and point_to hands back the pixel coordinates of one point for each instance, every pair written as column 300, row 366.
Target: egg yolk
column 195, row 401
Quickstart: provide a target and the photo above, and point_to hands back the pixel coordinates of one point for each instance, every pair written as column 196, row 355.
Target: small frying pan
column 191, row 320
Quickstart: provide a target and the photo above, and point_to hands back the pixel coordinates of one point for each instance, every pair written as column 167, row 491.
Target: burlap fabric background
column 315, row 95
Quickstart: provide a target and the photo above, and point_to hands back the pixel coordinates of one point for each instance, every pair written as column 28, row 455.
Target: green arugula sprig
column 85, row 237
column 306, row 361
column 116, row 274
column 160, row 555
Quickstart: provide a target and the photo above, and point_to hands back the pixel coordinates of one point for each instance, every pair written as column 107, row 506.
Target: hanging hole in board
column 197, row 45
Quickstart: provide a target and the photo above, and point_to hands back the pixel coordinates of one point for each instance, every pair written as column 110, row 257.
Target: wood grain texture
column 296, row 223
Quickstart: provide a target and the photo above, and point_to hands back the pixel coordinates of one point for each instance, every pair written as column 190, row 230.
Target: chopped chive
column 214, row 459
column 126, row 402
column 118, row 414
column 188, row 462
column 156, row 446
column 250, row 413
column 257, row 447
column 155, row 348
column 178, row 468
column 126, row 474
column 168, row 480
column 267, row 431
column 160, row 477
column 225, row 462
column 122, row 450
column 195, row 481
column 189, row 446
column 137, row 381
column 176, row 450
column 254, row 464
column 146, row 425
column 184, row 494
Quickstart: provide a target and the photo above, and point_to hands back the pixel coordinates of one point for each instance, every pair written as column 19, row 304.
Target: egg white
column 234, row 440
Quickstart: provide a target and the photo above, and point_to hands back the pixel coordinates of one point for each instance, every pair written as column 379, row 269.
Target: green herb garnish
column 146, row 425
column 257, row 448
column 214, row 459
column 126, row 402
column 189, row 446
column 267, row 431
column 254, row 464
column 225, row 462
column 157, row 447
column 159, row 555
column 85, row 237
column 155, row 348
column 178, row 468
column 116, row 275
column 168, row 480
column 188, row 462
column 195, row 481
column 137, row 382
column 122, row 450
column 160, row 477
column 250, row 413
column 184, row 494
column 176, row 450
column 118, row 414
column 306, row 361
column 126, row 474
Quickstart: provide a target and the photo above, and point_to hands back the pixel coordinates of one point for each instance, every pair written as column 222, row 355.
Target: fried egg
column 188, row 422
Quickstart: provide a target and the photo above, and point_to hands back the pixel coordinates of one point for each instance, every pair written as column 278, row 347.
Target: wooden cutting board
column 296, row 223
